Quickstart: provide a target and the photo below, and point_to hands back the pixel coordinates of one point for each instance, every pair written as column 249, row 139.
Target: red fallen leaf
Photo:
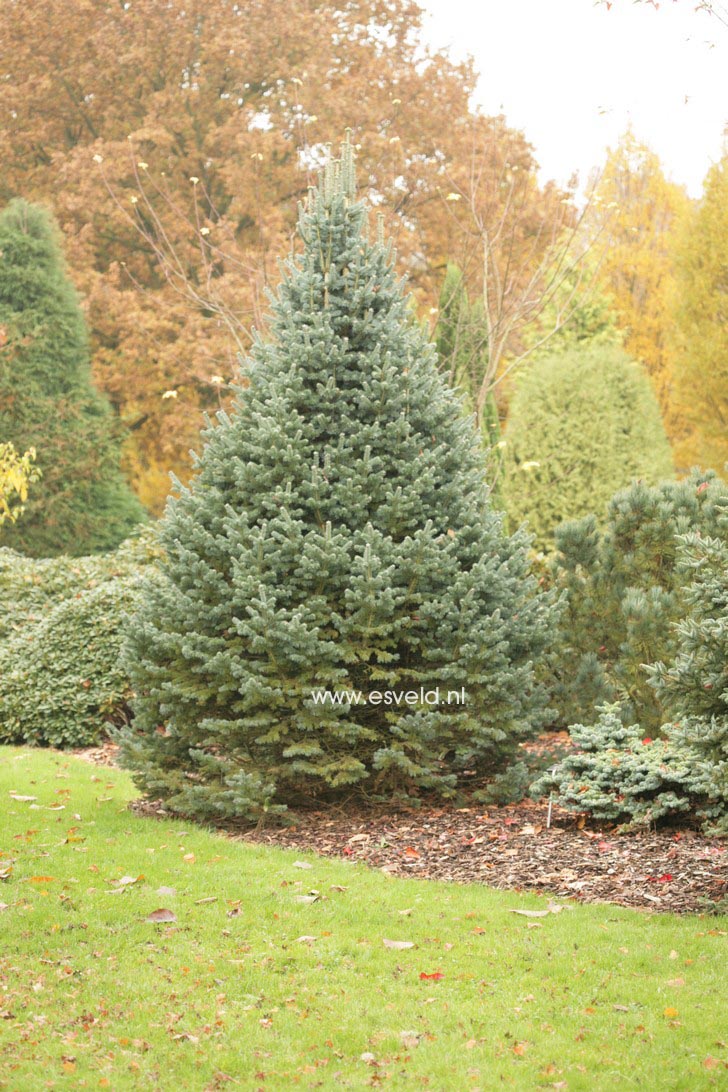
column 410, row 851
column 435, row 976
column 665, row 877
column 161, row 915
column 347, row 851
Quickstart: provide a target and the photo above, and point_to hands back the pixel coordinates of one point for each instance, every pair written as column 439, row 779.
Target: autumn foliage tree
column 16, row 474
column 643, row 209
column 205, row 121
column 700, row 389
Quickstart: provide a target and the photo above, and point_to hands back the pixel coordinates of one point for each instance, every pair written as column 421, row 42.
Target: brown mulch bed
column 675, row 870
column 679, row 871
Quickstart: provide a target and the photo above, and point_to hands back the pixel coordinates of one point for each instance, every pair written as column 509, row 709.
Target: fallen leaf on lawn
column 410, row 1039
column 302, row 864
column 189, row 858
column 161, row 915
column 712, row 1063
column 210, row 898
column 673, row 954
column 398, row 945
column 368, row 1057
column 676, row 982
column 307, row 898
column 305, row 940
column 22, row 799
column 5, row 872
column 126, row 881
column 471, row 1044
column 621, row 1008
column 166, row 891
column 4, row 906
column 435, row 976
column 337, row 887
column 405, row 913
column 520, row 1048
column 186, row 1036
column 534, row 925
column 531, row 913
column 670, row 1012
column 42, row 879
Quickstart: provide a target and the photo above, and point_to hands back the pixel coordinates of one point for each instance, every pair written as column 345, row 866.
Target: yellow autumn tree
column 16, row 474
column 644, row 210
column 700, row 388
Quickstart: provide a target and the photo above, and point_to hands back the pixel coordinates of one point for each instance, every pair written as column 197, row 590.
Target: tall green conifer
column 337, row 536
column 47, row 400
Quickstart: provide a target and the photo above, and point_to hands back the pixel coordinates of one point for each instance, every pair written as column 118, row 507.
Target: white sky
column 573, row 75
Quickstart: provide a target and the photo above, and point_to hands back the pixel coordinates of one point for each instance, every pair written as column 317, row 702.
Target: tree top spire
column 338, row 177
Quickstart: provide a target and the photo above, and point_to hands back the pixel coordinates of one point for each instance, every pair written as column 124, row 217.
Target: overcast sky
column 573, row 75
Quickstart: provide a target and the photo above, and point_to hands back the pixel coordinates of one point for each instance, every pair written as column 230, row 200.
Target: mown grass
column 94, row 996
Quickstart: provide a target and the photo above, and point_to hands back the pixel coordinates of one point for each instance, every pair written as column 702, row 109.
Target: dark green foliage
column 461, row 340
column 694, row 685
column 619, row 773
column 61, row 679
column 47, row 400
column 580, row 426
column 337, row 536
column 625, row 590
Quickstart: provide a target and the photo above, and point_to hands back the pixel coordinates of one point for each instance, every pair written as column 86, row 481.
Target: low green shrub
column 61, row 680
column 618, row 773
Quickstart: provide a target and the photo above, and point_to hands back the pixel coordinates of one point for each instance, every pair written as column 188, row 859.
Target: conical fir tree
column 337, row 537
column 48, row 402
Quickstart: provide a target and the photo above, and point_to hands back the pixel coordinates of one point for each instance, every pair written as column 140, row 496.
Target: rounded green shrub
column 619, row 773
column 61, row 679
column 581, row 425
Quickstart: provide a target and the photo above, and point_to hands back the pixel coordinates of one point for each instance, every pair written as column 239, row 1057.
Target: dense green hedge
column 61, row 682
column 580, row 426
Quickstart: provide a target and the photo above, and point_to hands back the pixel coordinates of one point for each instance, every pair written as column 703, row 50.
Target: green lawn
column 231, row 995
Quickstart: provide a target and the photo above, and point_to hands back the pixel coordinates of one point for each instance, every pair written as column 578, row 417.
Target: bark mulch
column 676, row 870
column 679, row 871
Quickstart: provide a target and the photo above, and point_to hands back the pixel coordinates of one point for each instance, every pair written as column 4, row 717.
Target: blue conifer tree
column 337, row 536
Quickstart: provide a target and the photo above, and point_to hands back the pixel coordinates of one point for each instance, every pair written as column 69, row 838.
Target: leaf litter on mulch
column 676, row 870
